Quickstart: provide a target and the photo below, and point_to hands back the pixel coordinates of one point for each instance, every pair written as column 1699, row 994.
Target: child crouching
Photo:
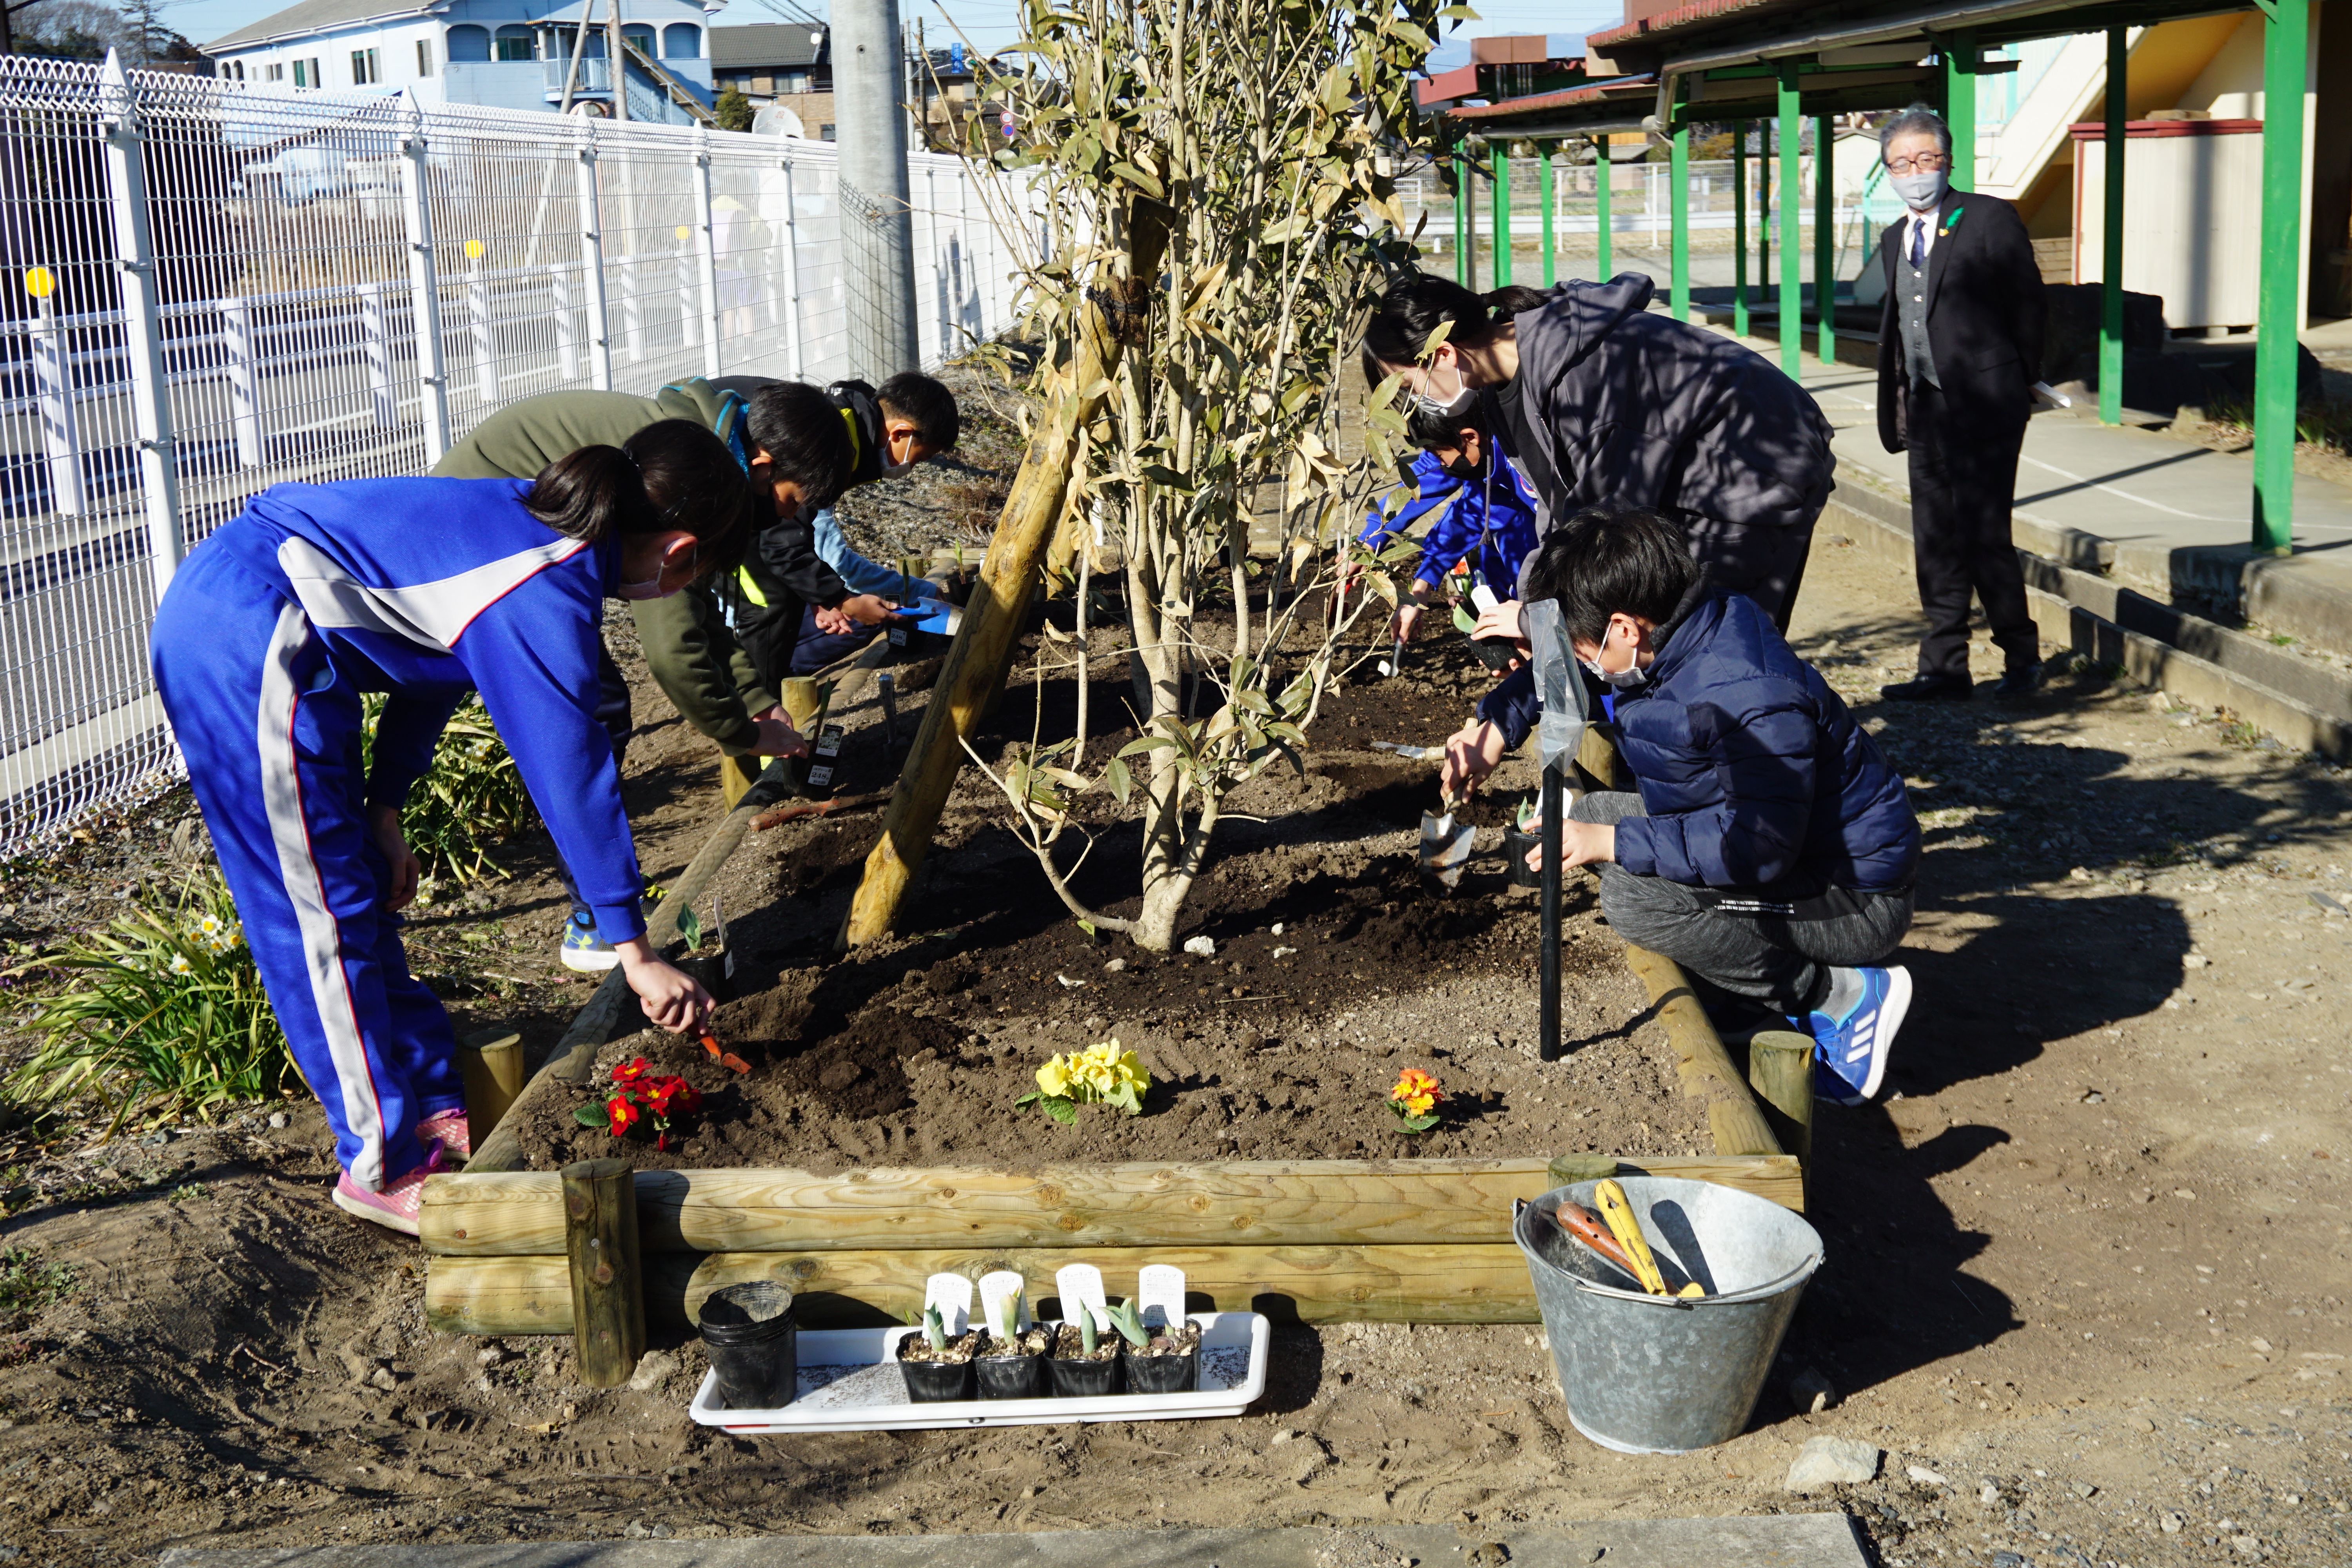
column 1770, row 850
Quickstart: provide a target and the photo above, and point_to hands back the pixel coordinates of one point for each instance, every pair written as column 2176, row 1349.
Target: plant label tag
column 828, row 741
column 897, row 637
column 1159, row 1295
column 997, row 1287
column 1081, row 1288
column 951, row 1294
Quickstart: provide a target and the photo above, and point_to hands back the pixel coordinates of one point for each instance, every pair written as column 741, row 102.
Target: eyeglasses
column 1924, row 163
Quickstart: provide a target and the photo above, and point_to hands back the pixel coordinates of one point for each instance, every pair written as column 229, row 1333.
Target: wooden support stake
column 1705, row 1067
column 799, row 701
column 1117, row 310
column 489, row 1064
column 1780, row 1068
column 608, row 1292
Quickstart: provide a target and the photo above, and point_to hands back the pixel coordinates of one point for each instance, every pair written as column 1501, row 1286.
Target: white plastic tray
column 850, row 1381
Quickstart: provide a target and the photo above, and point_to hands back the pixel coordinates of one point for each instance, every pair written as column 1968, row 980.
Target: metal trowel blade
column 1444, row 847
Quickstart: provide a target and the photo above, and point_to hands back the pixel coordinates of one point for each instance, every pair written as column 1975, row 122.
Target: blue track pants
column 271, row 730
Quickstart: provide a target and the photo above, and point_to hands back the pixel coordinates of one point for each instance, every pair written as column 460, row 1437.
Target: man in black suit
column 1960, row 347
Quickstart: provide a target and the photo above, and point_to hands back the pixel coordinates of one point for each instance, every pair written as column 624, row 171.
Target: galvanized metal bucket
column 1651, row 1375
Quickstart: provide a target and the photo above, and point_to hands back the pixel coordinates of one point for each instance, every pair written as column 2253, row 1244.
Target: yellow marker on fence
column 683, row 231
column 40, row 283
column 473, row 250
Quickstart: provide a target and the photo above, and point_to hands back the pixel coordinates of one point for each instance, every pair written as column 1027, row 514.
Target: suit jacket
column 1986, row 314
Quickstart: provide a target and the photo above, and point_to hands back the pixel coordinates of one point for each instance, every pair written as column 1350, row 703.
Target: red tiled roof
column 1589, row 93
column 1671, row 21
column 1462, row 81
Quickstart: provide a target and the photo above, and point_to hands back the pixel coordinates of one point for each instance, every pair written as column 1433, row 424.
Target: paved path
column 1778, row 1540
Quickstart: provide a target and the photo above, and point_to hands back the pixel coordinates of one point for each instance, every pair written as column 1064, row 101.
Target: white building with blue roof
column 507, row 54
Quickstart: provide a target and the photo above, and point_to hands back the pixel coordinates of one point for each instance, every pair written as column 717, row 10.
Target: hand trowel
column 1445, row 846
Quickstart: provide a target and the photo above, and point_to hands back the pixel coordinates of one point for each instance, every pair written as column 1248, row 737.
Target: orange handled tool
column 726, row 1058
column 1583, row 1225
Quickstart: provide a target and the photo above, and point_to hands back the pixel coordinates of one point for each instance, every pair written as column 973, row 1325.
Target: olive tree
column 1260, row 134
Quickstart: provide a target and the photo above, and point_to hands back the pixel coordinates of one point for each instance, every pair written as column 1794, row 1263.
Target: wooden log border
column 1422, row 1241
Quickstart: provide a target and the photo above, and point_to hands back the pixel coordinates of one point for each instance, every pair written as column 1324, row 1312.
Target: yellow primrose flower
column 1054, row 1077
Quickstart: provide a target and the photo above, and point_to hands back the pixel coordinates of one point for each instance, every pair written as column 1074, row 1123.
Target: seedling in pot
column 938, row 1362
column 1085, row 1362
column 1011, row 1362
column 1162, row 1352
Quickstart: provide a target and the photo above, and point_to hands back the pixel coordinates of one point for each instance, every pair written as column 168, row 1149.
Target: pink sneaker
column 394, row 1208
column 449, row 1127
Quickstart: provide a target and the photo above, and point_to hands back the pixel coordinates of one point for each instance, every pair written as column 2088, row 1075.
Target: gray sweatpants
column 1776, row 959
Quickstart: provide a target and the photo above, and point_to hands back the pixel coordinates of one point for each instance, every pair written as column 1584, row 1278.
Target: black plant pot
column 750, row 1333
column 1515, row 846
column 933, row 1381
column 1084, row 1379
column 1161, row 1374
column 1021, row 1375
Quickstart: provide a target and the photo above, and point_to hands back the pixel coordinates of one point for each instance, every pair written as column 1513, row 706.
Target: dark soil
column 1336, row 966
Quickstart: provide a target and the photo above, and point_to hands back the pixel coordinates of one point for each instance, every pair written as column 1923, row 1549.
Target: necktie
column 1918, row 242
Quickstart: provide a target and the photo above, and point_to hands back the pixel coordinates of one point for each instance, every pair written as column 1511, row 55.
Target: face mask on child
column 1624, row 679
column 651, row 587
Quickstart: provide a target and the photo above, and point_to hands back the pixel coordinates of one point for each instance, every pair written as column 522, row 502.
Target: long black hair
column 672, row 474
column 1415, row 307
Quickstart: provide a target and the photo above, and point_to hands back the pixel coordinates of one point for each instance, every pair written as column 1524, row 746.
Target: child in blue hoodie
column 1479, row 508
column 1771, row 849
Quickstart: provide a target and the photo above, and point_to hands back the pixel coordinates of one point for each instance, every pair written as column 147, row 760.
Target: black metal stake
column 1548, row 1015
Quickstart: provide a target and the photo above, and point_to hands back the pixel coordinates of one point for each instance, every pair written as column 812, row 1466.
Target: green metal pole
column 1543, row 186
column 1763, row 210
column 2111, row 239
column 1461, row 230
column 1825, row 238
column 2286, row 55
column 1739, row 228
column 1502, row 212
column 1793, row 208
column 1960, row 105
column 1604, row 176
column 1680, row 218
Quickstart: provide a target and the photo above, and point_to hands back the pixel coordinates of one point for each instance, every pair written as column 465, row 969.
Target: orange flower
column 623, row 1113
column 1415, row 1092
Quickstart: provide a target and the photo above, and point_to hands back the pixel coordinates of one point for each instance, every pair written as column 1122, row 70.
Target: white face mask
column 1922, row 191
column 651, row 587
column 1624, row 679
column 892, row 470
column 1451, row 407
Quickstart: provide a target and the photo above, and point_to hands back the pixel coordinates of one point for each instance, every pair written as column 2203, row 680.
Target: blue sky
column 987, row 23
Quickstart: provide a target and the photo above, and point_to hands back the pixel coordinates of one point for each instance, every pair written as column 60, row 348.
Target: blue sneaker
column 584, row 950
column 1850, row 1053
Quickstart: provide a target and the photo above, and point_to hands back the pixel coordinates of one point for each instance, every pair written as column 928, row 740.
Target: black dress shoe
column 1930, row 688
column 2018, row 684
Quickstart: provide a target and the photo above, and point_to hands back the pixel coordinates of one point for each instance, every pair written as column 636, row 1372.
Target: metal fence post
column 689, row 317
column 792, row 276
column 141, row 325
column 632, row 308
column 376, row 341
column 567, row 330
column 53, row 375
column 706, row 245
column 483, row 325
column 240, row 350
column 592, row 272
column 423, row 286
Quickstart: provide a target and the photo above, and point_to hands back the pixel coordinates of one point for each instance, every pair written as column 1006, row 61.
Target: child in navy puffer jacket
column 1770, row 850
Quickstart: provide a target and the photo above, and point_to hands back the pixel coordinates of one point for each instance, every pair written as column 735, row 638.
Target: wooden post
column 799, row 700
column 1780, row 1070
column 608, row 1290
column 489, row 1064
column 1117, row 312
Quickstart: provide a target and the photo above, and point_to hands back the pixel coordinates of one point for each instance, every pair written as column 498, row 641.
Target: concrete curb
column 2304, row 704
column 1784, row 1540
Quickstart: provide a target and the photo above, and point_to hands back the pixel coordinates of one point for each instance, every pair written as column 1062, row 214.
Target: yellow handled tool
column 1619, row 1216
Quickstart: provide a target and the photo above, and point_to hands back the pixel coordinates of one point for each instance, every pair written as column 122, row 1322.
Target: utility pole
column 876, row 209
column 620, row 66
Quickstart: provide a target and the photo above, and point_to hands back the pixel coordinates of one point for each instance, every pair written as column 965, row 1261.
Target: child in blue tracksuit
column 1771, row 849
column 269, row 637
column 1478, row 506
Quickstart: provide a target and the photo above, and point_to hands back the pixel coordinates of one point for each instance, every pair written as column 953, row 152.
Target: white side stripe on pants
column 282, row 791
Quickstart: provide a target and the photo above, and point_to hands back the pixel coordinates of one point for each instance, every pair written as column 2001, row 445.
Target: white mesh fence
column 207, row 288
